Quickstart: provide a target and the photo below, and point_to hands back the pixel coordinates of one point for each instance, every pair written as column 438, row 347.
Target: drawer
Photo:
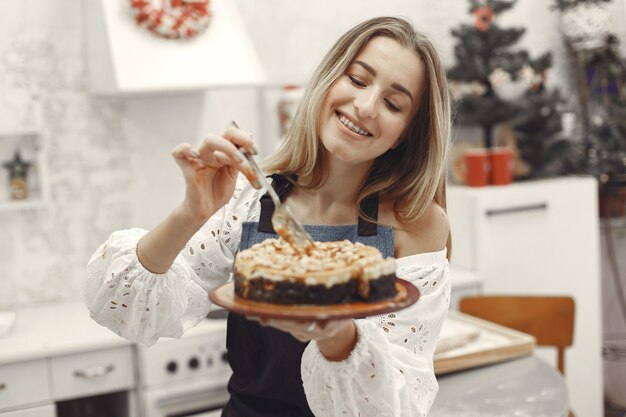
column 49, row 410
column 24, row 383
column 92, row 373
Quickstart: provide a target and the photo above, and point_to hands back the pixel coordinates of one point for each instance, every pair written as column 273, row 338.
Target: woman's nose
column 365, row 104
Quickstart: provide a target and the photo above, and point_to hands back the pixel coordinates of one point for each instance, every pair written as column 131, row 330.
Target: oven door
column 186, row 400
column 214, row 413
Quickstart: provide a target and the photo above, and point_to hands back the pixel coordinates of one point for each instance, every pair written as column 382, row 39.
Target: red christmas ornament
column 182, row 19
column 483, row 17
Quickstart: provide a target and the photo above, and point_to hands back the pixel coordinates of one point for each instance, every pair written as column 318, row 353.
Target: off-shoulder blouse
column 388, row 373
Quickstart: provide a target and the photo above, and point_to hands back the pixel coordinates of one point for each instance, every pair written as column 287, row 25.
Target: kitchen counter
column 52, row 330
column 522, row 387
column 58, row 329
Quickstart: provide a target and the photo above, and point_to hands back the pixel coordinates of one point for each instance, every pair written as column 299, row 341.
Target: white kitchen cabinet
column 539, row 237
column 24, row 383
column 58, row 362
column 48, row 410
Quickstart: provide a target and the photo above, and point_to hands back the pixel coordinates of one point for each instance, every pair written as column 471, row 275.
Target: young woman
column 364, row 160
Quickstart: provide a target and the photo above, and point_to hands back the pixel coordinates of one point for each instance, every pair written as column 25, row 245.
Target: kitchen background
column 106, row 161
column 108, row 158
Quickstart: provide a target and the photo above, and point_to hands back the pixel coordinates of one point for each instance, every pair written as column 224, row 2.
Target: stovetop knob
column 194, row 363
column 171, row 367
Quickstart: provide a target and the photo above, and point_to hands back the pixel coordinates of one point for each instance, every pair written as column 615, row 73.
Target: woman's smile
column 354, row 130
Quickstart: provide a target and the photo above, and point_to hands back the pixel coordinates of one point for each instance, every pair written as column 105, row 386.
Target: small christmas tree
column 538, row 129
column 484, row 59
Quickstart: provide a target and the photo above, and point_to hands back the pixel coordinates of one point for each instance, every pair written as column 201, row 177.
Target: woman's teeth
column 347, row 123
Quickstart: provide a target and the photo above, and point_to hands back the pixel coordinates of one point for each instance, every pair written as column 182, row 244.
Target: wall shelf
column 31, row 142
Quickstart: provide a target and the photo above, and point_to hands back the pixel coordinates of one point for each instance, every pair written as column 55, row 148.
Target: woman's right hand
column 210, row 172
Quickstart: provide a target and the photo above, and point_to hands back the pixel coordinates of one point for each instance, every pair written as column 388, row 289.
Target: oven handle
column 187, row 396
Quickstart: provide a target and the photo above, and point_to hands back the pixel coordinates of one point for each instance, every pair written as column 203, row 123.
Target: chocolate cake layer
column 290, row 292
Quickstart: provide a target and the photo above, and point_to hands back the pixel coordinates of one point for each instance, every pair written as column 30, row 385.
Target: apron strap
column 369, row 206
column 282, row 186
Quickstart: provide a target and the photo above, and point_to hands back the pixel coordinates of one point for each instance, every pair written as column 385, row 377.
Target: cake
column 331, row 273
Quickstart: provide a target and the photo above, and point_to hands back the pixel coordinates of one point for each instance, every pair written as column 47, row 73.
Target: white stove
column 188, row 376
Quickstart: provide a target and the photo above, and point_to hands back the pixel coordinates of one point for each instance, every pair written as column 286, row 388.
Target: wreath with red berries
column 180, row 19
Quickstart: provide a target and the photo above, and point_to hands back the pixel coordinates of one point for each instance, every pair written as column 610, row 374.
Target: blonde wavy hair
column 413, row 174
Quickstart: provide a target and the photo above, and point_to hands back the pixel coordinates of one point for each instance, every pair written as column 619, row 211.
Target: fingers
column 183, row 155
column 182, row 151
column 259, row 320
column 302, row 330
column 214, row 152
column 225, row 150
column 218, row 151
column 240, row 138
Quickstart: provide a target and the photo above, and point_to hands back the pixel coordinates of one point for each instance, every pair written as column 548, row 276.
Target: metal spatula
column 285, row 225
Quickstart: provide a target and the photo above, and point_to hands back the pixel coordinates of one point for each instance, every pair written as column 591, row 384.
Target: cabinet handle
column 2, row 386
column 516, row 209
column 96, row 372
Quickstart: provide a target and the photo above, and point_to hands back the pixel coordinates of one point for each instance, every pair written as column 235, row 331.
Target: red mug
column 501, row 161
column 476, row 167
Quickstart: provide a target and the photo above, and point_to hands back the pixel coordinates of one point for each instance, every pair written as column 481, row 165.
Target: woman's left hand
column 335, row 338
column 304, row 331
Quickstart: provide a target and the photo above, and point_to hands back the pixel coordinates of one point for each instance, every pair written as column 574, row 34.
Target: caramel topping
column 327, row 262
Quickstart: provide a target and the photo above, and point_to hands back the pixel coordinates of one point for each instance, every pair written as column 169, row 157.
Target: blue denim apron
column 266, row 380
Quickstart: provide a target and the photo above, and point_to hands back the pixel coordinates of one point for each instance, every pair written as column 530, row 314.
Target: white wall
column 109, row 158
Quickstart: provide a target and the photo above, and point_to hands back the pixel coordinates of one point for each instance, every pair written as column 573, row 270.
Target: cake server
column 285, row 225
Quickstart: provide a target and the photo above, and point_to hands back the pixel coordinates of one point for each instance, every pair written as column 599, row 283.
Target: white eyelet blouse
column 389, row 372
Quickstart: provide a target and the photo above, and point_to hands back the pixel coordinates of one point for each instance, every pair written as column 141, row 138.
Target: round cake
column 331, row 273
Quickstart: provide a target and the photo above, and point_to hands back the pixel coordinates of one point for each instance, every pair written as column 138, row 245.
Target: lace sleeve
column 141, row 306
column 390, row 370
column 211, row 251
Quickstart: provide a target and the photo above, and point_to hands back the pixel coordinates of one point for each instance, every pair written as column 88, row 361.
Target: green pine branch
column 497, row 6
column 563, row 5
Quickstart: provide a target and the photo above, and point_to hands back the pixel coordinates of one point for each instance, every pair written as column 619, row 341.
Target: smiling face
column 369, row 106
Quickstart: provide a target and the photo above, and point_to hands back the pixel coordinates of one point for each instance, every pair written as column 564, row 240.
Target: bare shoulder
column 428, row 233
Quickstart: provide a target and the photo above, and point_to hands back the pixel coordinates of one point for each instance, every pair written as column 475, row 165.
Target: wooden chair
column 549, row 319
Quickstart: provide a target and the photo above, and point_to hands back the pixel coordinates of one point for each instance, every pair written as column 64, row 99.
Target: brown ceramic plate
column 224, row 296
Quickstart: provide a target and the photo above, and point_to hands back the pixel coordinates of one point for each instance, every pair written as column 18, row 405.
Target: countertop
column 63, row 328
column 523, row 387
column 53, row 330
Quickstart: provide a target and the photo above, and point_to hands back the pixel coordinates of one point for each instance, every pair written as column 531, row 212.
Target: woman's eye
column 356, row 81
column 392, row 106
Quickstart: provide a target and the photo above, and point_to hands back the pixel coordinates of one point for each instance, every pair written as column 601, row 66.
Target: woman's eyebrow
column 395, row 86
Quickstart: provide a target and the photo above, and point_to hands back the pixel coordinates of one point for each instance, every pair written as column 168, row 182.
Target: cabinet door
column 41, row 411
column 92, row 373
column 519, row 241
column 24, row 383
